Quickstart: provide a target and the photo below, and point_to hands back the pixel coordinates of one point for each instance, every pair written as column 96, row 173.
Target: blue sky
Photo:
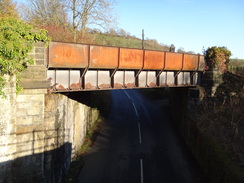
column 190, row 24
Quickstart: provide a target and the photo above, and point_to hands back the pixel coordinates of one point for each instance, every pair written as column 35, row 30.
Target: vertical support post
column 193, row 74
column 112, row 73
column 147, row 79
column 83, row 71
column 142, row 46
column 124, row 79
column 158, row 73
column 166, row 78
column 136, row 73
column 176, row 78
column 192, row 77
column 55, row 80
column 97, row 87
column 69, row 80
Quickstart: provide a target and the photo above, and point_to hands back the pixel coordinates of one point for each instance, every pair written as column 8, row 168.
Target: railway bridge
column 78, row 67
column 41, row 131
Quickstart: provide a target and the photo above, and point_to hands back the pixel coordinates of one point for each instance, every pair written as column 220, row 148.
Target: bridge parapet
column 73, row 67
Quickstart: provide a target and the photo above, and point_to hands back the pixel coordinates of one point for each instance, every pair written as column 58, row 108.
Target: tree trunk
column 74, row 21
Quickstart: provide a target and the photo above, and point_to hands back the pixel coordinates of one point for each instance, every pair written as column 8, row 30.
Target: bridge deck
column 90, row 67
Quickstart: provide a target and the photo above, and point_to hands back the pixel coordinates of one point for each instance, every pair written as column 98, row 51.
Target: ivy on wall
column 16, row 41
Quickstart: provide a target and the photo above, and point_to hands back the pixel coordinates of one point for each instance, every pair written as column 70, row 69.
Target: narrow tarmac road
column 137, row 144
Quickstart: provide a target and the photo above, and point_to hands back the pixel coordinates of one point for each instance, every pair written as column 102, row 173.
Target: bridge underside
column 79, row 80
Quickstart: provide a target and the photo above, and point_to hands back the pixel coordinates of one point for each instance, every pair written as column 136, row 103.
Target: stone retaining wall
column 7, row 130
column 40, row 133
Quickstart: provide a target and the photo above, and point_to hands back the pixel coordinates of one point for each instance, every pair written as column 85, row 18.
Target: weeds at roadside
column 78, row 162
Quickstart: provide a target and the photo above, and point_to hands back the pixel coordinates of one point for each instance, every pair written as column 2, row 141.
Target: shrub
column 217, row 57
column 16, row 41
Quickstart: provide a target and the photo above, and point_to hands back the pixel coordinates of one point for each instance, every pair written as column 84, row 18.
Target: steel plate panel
column 190, row 62
column 91, row 80
column 130, row 58
column 142, row 79
column 196, row 79
column 154, row 60
column 202, row 64
column 103, row 57
column 129, row 79
column 118, row 79
column 170, row 79
column 184, row 78
column 147, row 79
column 64, row 55
column 151, row 79
column 62, row 79
column 75, row 82
column 51, row 77
column 163, row 79
column 103, row 79
column 173, row 61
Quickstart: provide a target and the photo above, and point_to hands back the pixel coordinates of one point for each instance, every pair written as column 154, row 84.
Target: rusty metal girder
column 75, row 67
column 63, row 55
column 70, row 55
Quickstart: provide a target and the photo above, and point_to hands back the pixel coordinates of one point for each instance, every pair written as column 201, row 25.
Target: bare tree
column 8, row 9
column 85, row 13
column 77, row 15
column 46, row 12
column 122, row 32
column 181, row 50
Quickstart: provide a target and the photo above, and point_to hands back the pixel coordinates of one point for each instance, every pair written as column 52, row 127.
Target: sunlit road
column 137, row 144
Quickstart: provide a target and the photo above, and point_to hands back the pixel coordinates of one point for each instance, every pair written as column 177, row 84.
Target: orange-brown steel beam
column 70, row 55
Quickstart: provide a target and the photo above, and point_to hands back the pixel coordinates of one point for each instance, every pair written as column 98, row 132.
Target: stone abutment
column 40, row 132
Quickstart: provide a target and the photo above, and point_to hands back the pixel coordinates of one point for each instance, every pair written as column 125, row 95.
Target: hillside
column 108, row 39
column 126, row 41
column 238, row 63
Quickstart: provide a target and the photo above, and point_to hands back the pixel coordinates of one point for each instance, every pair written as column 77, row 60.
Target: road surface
column 137, row 144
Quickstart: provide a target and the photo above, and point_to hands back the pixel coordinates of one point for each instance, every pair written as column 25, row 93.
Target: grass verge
column 78, row 163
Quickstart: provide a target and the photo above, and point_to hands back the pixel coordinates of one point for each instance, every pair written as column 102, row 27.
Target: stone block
column 34, row 72
column 49, row 123
column 24, row 105
column 25, row 137
column 20, row 113
column 39, row 56
column 34, row 111
column 25, row 148
column 50, row 144
column 39, row 50
column 39, row 44
column 38, row 119
column 21, row 98
column 32, row 92
column 40, row 62
column 38, row 147
column 24, row 120
column 35, row 84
